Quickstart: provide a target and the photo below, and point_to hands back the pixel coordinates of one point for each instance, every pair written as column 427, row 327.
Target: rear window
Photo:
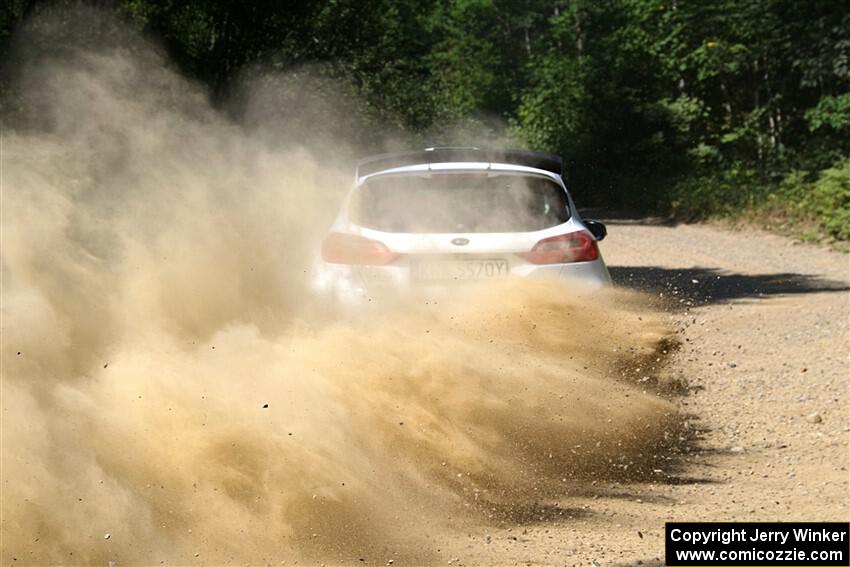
column 459, row 203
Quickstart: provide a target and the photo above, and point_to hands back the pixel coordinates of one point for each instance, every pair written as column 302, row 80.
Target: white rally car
column 424, row 221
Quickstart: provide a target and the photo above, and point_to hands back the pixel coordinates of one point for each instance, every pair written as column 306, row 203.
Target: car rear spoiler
column 539, row 160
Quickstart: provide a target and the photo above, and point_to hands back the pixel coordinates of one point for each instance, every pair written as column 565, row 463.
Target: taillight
column 565, row 248
column 339, row 248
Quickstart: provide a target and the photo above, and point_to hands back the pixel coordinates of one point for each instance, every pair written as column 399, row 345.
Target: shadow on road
column 706, row 285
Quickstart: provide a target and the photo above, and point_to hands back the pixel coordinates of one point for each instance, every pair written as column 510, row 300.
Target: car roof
column 444, row 155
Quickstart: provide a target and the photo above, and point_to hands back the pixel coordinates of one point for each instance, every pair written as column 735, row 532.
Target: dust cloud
column 172, row 394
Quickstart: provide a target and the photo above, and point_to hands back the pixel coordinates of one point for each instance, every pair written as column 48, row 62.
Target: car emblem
column 460, row 241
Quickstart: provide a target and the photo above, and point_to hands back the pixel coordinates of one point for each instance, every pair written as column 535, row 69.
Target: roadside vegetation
column 736, row 109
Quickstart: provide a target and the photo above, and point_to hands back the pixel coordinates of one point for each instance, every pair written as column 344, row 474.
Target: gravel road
column 763, row 322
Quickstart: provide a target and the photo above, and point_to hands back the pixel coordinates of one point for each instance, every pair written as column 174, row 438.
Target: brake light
column 565, row 248
column 339, row 248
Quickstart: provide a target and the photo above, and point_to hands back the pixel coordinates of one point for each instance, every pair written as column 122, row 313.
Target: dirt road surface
column 763, row 323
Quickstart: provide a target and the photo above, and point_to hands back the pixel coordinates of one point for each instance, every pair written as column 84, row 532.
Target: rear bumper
column 357, row 284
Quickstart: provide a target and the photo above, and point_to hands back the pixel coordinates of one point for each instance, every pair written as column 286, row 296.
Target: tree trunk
column 579, row 39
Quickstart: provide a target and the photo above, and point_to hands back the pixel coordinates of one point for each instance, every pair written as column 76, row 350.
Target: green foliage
column 552, row 114
column 800, row 198
column 12, row 12
column 832, row 112
column 695, row 108
column 830, row 200
column 821, row 199
column 725, row 192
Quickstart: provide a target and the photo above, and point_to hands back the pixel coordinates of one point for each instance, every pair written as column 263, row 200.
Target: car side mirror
column 596, row 228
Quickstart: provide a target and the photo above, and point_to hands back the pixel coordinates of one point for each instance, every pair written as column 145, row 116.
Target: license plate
column 459, row 270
